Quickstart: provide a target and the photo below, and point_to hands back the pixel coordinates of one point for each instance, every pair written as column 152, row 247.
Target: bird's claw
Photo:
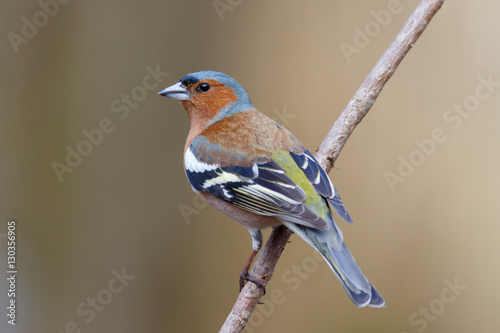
column 245, row 276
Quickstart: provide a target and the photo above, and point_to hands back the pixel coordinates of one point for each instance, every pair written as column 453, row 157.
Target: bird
column 255, row 171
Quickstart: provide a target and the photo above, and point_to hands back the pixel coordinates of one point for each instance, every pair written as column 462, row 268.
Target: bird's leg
column 244, row 275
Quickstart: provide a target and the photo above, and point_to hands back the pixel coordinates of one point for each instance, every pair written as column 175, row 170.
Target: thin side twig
column 329, row 150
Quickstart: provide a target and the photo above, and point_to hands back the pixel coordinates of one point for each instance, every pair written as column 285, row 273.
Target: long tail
column 330, row 245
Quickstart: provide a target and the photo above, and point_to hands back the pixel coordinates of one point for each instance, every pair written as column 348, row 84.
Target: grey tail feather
column 342, row 263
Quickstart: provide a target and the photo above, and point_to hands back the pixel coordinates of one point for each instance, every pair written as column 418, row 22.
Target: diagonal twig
column 330, row 149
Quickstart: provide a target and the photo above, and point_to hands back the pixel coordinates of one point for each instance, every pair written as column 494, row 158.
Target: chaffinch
column 255, row 171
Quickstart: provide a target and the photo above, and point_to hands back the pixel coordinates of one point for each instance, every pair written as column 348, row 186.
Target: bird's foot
column 245, row 276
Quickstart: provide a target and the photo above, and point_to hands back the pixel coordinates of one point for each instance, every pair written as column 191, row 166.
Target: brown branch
column 330, row 149
column 364, row 98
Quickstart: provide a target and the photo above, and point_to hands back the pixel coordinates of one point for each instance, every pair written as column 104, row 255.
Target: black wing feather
column 264, row 189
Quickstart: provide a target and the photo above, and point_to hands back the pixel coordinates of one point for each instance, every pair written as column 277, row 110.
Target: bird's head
column 209, row 96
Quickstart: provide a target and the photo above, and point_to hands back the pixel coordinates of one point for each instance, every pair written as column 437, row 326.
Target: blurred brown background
column 118, row 212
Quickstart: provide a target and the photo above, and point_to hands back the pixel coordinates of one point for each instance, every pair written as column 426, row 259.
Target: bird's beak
column 177, row 91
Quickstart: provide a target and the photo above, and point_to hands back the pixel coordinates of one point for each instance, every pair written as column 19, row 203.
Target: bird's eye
column 204, row 87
